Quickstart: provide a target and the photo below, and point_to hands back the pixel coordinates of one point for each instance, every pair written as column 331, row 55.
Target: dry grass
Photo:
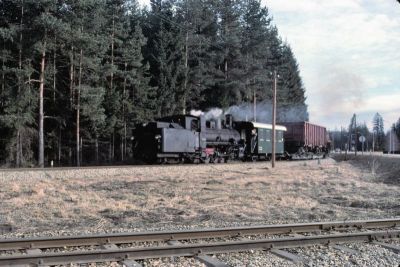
column 204, row 195
column 381, row 168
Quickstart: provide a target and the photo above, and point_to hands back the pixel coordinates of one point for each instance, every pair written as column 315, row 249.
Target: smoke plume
column 245, row 112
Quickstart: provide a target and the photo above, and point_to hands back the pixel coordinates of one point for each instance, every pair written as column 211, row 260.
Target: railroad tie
column 33, row 251
column 131, row 263
column 287, row 255
column 296, row 235
column 127, row 262
column 394, row 248
column 211, row 262
column 346, row 249
column 109, row 247
column 207, row 260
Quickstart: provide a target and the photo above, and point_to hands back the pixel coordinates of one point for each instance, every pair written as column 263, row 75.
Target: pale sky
column 349, row 56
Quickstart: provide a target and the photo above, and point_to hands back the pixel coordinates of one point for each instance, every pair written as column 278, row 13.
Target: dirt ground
column 179, row 196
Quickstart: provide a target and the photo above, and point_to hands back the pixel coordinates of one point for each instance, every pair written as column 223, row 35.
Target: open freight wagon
column 304, row 140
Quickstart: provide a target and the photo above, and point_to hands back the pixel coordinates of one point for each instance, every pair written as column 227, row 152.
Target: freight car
column 304, row 140
column 186, row 138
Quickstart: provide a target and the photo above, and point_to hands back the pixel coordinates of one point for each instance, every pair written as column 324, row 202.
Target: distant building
column 392, row 142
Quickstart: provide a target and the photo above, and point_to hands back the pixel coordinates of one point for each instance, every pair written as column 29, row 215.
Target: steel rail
column 124, row 238
column 192, row 249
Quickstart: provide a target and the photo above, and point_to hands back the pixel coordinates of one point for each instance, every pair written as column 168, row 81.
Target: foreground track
column 30, row 251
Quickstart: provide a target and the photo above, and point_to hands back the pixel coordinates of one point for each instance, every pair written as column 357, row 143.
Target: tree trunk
column 71, row 77
column 78, row 110
column 113, row 147
column 41, row 97
column 81, row 151
column 21, row 155
column 20, row 46
column 125, row 136
column 19, row 144
column 110, row 150
column 70, row 156
column 112, row 77
column 59, row 144
column 226, row 70
column 54, row 71
column 121, row 147
column 123, row 153
column 185, row 93
column 3, row 75
column 112, row 53
column 97, row 150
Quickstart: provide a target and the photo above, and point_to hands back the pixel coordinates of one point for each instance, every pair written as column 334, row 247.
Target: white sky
column 349, row 56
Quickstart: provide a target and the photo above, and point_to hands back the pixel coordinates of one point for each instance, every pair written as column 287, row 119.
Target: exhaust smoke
column 245, row 112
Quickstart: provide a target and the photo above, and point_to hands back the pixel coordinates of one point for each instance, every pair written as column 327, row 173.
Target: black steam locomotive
column 186, row 138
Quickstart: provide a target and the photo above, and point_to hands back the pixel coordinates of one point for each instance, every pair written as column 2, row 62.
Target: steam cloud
column 245, row 112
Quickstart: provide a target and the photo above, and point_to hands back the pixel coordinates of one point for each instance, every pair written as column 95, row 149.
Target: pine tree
column 378, row 131
column 198, row 25
column 88, row 47
column 291, row 97
column 32, row 22
column 136, row 94
column 46, row 26
column 397, row 128
column 353, row 131
column 353, row 124
column 230, row 80
column 165, row 52
column 254, row 39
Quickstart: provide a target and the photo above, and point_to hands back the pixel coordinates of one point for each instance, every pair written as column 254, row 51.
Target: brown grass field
column 194, row 196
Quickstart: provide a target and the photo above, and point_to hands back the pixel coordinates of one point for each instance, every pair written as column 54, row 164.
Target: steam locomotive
column 187, row 138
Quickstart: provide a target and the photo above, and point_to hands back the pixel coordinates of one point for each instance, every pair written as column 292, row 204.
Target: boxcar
column 305, row 136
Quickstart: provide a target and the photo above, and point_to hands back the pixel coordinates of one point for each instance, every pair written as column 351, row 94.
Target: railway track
column 128, row 247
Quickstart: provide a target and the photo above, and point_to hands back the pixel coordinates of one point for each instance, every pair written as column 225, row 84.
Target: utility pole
column 355, row 129
column 274, row 120
column 341, row 139
column 373, row 141
column 255, row 106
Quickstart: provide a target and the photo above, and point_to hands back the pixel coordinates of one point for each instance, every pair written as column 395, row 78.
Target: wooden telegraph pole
column 356, row 135
column 274, row 120
column 255, row 106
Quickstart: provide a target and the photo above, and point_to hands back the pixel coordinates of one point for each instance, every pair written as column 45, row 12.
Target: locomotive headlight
column 157, row 137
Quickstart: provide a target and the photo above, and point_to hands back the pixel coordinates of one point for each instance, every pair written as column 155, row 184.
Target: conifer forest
column 77, row 75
